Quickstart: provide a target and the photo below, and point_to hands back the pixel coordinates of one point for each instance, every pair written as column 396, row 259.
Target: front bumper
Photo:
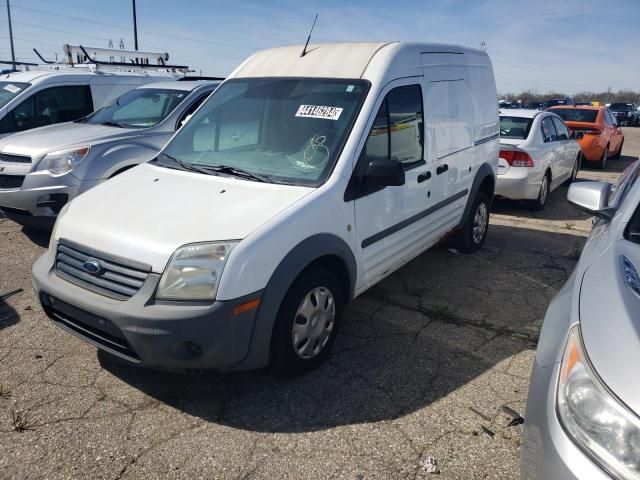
column 41, row 196
column 547, row 451
column 169, row 335
column 518, row 183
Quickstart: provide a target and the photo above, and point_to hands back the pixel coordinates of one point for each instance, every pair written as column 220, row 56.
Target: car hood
column 146, row 213
column 40, row 141
column 610, row 322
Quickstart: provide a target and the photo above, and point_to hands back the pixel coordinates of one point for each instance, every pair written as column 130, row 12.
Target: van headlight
column 604, row 428
column 63, row 161
column 194, row 271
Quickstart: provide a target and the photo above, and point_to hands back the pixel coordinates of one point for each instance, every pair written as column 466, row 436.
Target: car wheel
column 574, row 173
column 307, row 322
column 471, row 236
column 619, row 152
column 543, row 194
column 602, row 164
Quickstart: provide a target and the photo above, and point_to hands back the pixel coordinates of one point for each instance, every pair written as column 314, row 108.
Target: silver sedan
column 537, row 154
column 583, row 411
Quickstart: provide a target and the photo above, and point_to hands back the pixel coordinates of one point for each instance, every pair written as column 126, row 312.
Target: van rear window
column 576, row 114
column 515, row 127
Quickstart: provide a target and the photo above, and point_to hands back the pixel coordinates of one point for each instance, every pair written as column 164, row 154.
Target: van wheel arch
column 485, row 182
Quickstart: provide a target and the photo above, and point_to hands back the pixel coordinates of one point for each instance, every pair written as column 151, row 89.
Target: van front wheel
column 471, row 236
column 307, row 322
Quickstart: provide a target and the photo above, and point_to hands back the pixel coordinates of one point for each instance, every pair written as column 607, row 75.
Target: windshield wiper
column 238, row 172
column 187, row 166
column 113, row 124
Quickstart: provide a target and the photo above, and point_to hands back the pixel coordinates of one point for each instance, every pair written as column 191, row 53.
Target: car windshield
column 288, row 130
column 515, row 127
column 139, row 108
column 621, row 107
column 576, row 114
column 8, row 90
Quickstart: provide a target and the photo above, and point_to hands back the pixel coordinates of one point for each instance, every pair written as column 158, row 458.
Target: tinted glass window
column 608, row 118
column 561, row 129
column 548, row 130
column 51, row 105
column 515, row 127
column 290, row 130
column 186, row 115
column 576, row 114
column 621, row 107
column 8, row 90
column 377, row 145
column 139, row 108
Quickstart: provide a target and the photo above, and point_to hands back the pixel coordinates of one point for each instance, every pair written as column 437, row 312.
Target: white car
column 537, row 154
column 303, row 180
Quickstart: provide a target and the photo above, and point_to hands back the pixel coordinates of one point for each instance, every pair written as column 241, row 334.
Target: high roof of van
column 38, row 74
column 349, row 60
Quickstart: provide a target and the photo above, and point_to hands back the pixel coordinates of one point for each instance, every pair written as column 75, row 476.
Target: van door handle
column 423, row 177
column 442, row 169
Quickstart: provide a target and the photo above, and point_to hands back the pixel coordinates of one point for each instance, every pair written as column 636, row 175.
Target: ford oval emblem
column 92, row 266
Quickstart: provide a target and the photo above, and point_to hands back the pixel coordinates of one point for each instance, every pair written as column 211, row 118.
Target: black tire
column 284, row 358
column 619, row 152
column 574, row 172
column 602, row 163
column 543, row 196
column 465, row 240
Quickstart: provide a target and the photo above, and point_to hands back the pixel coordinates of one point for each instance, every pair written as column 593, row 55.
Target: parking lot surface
column 422, row 367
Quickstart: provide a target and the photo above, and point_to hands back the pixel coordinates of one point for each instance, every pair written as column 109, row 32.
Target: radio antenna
column 304, row 50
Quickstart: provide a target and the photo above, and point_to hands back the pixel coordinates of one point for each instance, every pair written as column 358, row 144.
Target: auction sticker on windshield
column 12, row 88
column 319, row 111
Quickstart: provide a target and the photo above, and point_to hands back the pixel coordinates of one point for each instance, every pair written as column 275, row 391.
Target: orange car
column 602, row 139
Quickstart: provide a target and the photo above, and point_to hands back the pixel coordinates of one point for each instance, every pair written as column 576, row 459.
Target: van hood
column 148, row 212
column 38, row 142
column 610, row 323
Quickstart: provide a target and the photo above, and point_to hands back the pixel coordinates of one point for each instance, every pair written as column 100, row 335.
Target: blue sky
column 563, row 45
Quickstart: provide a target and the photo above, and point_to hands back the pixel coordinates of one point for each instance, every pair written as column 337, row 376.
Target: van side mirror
column 577, row 135
column 384, row 173
column 592, row 197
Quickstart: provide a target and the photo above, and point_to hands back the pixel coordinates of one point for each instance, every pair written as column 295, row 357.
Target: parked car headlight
column 63, row 161
column 604, row 428
column 194, row 271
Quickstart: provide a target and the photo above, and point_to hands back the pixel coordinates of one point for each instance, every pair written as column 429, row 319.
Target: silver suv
column 43, row 169
column 583, row 411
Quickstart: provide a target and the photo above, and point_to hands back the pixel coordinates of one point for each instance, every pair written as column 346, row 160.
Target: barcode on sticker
column 319, row 111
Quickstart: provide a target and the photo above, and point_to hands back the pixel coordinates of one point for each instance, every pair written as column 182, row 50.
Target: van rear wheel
column 471, row 236
column 307, row 322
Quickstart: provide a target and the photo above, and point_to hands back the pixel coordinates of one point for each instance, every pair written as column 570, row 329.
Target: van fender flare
column 292, row 265
column 485, row 171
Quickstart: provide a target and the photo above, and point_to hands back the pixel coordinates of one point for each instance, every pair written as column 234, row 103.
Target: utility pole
column 13, row 56
column 135, row 25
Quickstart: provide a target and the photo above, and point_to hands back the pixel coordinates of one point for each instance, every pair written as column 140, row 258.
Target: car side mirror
column 384, row 173
column 592, row 197
column 577, row 135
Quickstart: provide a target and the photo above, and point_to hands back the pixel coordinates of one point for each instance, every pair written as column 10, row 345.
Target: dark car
column 626, row 114
column 557, row 101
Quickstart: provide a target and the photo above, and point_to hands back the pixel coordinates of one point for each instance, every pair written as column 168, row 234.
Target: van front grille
column 104, row 274
column 11, row 181
column 11, row 158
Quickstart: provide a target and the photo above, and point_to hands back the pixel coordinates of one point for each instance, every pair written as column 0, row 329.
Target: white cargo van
column 301, row 182
column 43, row 97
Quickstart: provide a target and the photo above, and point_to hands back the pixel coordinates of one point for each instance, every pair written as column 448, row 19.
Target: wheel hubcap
column 314, row 322
column 480, row 223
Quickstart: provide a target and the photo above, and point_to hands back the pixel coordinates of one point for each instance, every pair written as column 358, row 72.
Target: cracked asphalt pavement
column 421, row 369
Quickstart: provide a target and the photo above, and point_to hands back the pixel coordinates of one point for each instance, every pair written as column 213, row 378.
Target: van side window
column 563, row 132
column 397, row 131
column 52, row 105
column 548, row 130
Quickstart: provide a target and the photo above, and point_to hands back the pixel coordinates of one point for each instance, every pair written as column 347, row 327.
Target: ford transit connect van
column 302, row 181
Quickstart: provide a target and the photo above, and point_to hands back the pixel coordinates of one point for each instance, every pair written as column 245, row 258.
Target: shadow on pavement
column 8, row 316
column 38, row 236
column 557, row 208
column 427, row 330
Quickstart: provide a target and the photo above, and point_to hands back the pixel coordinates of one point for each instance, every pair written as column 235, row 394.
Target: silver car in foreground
column 583, row 410
column 44, row 168
column 537, row 155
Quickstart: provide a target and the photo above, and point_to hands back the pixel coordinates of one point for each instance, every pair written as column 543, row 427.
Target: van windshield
column 289, row 130
column 9, row 90
column 139, row 108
